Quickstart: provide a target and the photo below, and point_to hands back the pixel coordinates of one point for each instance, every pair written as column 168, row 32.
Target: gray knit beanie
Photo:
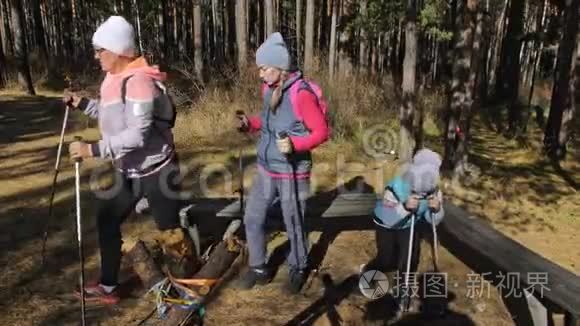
column 274, row 53
column 423, row 172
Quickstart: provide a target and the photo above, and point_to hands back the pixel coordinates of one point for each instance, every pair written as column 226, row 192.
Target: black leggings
column 393, row 248
column 161, row 190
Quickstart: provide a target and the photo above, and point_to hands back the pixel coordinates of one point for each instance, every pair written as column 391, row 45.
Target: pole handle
column 78, row 138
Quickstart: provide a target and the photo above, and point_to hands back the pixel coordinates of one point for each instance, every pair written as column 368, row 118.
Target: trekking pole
column 241, row 167
column 55, row 176
column 406, row 298
column 80, row 233
column 242, row 116
column 282, row 135
column 435, row 245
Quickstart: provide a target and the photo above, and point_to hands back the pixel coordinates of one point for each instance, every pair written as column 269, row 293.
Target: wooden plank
column 465, row 235
column 347, row 205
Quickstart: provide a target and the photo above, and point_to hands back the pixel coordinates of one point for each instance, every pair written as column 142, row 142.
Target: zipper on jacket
column 269, row 138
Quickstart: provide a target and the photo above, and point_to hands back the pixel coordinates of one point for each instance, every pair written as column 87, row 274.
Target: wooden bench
column 484, row 249
column 470, row 239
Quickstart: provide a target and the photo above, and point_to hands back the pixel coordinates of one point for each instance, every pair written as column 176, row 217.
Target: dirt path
column 30, row 296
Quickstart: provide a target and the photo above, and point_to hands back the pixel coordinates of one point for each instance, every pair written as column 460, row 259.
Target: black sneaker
column 296, row 280
column 254, row 275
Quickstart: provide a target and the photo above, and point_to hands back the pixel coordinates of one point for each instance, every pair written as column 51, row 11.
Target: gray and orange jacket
column 136, row 141
column 301, row 118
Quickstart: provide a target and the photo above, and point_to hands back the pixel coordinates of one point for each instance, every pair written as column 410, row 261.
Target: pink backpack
column 315, row 89
column 309, row 85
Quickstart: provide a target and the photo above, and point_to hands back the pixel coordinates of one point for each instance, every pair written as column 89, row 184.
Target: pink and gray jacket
column 133, row 137
column 301, row 118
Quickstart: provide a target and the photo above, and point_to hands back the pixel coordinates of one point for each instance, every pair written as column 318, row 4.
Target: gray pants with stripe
column 264, row 191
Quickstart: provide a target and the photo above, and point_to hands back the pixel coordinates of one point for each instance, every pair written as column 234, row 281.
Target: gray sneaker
column 296, row 280
column 254, row 275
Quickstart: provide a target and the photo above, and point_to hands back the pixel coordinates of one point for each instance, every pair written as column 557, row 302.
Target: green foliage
column 432, row 19
column 382, row 16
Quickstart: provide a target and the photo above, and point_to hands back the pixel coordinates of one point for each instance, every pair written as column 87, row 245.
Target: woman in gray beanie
column 413, row 192
column 291, row 124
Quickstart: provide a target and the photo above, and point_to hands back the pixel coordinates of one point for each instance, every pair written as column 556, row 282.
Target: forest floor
column 517, row 191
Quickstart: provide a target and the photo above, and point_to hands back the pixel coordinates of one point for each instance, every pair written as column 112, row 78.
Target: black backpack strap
column 124, row 88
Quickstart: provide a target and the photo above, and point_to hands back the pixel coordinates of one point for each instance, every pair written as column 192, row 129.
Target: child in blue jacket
column 414, row 191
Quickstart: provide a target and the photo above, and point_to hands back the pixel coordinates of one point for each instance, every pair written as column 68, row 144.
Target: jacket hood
column 141, row 66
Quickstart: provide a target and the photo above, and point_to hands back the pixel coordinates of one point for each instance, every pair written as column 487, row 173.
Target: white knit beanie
column 116, row 35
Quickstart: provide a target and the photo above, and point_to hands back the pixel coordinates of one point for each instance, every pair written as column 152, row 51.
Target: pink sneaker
column 97, row 294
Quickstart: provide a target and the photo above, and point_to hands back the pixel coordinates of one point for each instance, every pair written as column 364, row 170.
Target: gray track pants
column 264, row 191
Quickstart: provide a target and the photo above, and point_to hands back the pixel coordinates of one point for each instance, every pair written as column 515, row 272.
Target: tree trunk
column 332, row 50
column 253, row 28
column 475, row 71
column 460, row 101
column 241, row 36
column 138, row 19
column 507, row 85
column 512, row 63
column 562, row 108
column 67, row 29
column 536, row 62
column 398, row 60
column 407, row 110
column 162, row 30
column 7, row 43
column 484, row 77
column 197, row 40
column 309, row 37
column 3, row 75
column 345, row 62
column 217, row 31
column 324, row 13
column 376, row 57
column 20, row 50
column 394, row 58
column 298, row 31
column 230, row 19
column 39, row 33
column 184, row 16
column 363, row 47
column 269, row 16
column 496, row 49
column 260, row 22
column 175, row 30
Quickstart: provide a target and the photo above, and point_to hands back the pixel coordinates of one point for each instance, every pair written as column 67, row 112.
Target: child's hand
column 434, row 203
column 412, row 203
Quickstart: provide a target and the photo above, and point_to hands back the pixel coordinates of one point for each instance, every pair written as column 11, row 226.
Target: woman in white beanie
column 135, row 120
